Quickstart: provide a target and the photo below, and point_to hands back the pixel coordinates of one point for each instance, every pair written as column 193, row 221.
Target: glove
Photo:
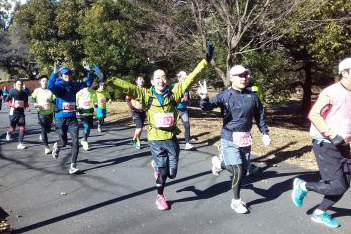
column 266, row 140
column 86, row 66
column 202, row 91
column 56, row 68
column 209, row 54
column 98, row 72
column 338, row 140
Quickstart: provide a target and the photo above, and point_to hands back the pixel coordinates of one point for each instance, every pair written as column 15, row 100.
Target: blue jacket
column 65, row 92
column 238, row 108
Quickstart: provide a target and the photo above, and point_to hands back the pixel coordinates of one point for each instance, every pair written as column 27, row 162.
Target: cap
column 344, row 64
column 66, row 70
column 182, row 74
column 239, row 69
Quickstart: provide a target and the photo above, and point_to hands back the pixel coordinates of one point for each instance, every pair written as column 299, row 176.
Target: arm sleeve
column 180, row 87
column 133, row 91
column 318, row 113
column 260, row 116
column 52, row 85
column 208, row 105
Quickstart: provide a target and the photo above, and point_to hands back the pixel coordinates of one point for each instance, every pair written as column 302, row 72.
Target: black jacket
column 238, row 109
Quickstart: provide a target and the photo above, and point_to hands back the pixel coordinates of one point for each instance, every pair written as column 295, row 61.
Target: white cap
column 239, row 69
column 182, row 74
column 344, row 64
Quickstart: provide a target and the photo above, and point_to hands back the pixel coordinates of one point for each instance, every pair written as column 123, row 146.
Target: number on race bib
column 164, row 120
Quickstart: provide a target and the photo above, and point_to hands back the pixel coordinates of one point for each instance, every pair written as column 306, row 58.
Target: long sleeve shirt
column 238, row 109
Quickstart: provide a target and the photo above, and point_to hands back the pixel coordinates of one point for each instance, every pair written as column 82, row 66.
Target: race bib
column 19, row 104
column 11, row 110
column 85, row 104
column 44, row 104
column 102, row 101
column 68, row 106
column 164, row 120
column 242, row 139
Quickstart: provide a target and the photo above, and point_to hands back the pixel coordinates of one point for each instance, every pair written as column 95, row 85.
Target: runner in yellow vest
column 161, row 106
column 102, row 97
column 86, row 100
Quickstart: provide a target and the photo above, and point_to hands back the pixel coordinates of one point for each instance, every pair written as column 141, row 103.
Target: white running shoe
column 40, row 138
column 21, row 146
column 188, row 146
column 216, row 166
column 8, row 136
column 85, row 144
column 99, row 128
column 239, row 206
column 47, row 150
column 73, row 169
column 55, row 151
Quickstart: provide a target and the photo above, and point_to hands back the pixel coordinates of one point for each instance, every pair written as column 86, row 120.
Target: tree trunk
column 307, row 90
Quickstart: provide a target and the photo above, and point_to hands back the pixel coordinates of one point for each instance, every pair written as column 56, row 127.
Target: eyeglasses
column 242, row 75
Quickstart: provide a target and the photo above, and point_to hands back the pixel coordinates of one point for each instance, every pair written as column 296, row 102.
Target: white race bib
column 85, row 104
column 44, row 103
column 68, row 106
column 164, row 120
column 242, row 139
column 19, row 104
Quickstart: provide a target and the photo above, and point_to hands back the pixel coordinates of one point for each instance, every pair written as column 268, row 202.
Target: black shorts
column 17, row 120
column 45, row 121
column 139, row 119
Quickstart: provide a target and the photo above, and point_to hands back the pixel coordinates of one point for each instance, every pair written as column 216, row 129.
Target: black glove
column 338, row 140
column 209, row 53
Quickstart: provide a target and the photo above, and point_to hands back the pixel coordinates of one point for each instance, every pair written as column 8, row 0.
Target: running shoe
column 8, row 136
column 188, row 146
column 161, row 203
column 216, row 166
column 47, row 150
column 326, row 219
column 73, row 169
column 99, row 128
column 137, row 144
column 40, row 138
column 21, row 146
column 156, row 173
column 85, row 145
column 133, row 142
column 55, row 151
column 298, row 194
column 253, row 169
column 239, row 206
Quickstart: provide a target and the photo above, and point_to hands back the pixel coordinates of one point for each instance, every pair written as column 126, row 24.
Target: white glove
column 266, row 140
column 86, row 66
column 56, row 68
column 202, row 91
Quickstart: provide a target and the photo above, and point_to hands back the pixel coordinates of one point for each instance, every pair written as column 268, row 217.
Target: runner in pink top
column 331, row 133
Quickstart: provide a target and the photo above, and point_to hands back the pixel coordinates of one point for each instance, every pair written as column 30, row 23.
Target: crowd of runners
column 60, row 99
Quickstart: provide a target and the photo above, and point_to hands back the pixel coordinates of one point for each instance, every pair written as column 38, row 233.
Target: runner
column 239, row 106
column 331, row 135
column 86, row 100
column 65, row 90
column 43, row 99
column 183, row 112
column 138, row 114
column 102, row 96
column 17, row 101
column 5, row 93
column 162, row 115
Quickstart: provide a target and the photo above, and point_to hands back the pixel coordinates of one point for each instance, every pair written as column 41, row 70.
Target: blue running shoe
column 298, row 194
column 326, row 219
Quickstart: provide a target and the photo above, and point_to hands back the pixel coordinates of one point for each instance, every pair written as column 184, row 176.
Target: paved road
column 115, row 193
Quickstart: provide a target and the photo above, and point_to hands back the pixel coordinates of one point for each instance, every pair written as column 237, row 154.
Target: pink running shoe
column 156, row 173
column 161, row 203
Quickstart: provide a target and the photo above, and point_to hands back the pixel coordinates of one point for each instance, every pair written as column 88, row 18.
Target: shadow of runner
column 101, row 205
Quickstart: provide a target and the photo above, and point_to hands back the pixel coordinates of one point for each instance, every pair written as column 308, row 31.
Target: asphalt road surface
column 115, row 193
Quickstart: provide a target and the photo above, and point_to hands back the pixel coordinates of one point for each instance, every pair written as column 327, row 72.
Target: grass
column 290, row 140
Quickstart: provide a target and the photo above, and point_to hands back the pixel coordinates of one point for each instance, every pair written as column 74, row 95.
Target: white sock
column 318, row 211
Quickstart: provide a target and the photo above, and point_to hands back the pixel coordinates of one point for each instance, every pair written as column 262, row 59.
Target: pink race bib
column 164, row 120
column 242, row 139
column 68, row 106
column 19, row 104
